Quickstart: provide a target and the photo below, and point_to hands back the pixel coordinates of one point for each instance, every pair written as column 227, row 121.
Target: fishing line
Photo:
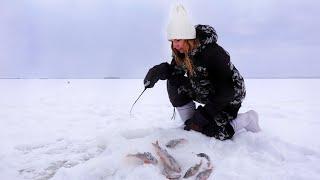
column 145, row 88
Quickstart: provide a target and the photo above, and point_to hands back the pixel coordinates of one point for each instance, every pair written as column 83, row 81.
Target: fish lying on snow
column 192, row 170
column 146, row 157
column 168, row 161
column 206, row 157
column 173, row 143
column 169, row 173
column 204, row 175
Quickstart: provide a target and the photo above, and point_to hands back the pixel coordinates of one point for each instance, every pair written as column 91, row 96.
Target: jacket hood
column 206, row 35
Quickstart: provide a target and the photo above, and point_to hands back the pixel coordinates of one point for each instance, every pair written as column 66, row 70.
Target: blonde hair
column 189, row 45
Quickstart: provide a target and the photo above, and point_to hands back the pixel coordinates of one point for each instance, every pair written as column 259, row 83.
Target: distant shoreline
column 142, row 78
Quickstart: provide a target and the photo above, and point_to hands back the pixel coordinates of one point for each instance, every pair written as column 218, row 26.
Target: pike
column 174, row 142
column 166, row 158
column 192, row 170
column 146, row 157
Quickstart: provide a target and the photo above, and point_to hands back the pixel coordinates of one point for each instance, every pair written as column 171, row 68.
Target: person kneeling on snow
column 201, row 71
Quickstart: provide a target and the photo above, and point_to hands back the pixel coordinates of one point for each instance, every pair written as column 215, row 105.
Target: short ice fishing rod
column 146, row 86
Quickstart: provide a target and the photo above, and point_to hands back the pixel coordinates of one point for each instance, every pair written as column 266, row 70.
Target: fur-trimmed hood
column 206, row 35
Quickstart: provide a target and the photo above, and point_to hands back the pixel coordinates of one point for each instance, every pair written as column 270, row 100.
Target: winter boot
column 249, row 121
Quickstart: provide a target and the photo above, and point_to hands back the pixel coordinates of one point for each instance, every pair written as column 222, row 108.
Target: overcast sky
column 124, row 38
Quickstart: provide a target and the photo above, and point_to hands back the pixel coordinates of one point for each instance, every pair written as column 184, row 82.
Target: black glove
column 197, row 121
column 191, row 125
column 160, row 71
column 187, row 125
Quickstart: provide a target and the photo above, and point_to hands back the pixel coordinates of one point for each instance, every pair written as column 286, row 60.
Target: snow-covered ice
column 82, row 130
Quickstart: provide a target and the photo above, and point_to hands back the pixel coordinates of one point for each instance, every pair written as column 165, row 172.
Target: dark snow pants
column 180, row 93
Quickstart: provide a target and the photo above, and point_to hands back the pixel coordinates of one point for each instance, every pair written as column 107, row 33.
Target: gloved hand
column 191, row 125
column 160, row 71
column 198, row 121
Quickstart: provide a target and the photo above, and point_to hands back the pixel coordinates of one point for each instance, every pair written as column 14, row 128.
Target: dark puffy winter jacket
column 216, row 82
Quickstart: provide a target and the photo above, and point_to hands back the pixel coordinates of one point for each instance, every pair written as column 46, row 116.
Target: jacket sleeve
column 175, row 70
column 220, row 75
column 166, row 71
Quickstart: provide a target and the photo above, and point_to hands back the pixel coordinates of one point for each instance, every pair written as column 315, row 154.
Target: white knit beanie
column 179, row 26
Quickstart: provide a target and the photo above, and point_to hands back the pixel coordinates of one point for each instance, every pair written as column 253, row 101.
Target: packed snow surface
column 72, row 129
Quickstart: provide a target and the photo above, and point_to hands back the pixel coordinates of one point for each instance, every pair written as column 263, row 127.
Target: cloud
column 59, row 38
